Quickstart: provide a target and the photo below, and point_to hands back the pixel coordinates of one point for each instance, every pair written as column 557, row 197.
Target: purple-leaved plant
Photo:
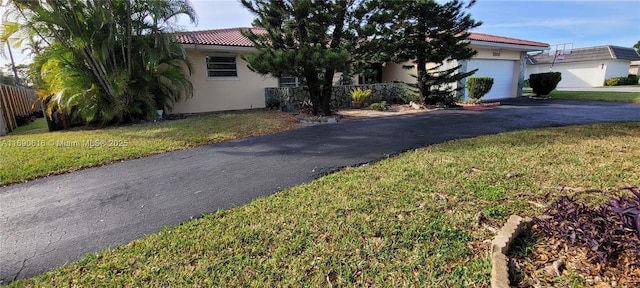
column 608, row 230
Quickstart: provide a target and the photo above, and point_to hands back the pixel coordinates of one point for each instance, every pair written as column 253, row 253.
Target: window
column 221, row 66
column 287, row 80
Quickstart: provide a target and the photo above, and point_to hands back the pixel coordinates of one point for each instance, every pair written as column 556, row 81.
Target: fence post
column 3, row 126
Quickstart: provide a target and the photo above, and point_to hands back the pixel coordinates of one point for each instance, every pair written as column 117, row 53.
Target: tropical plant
column 105, row 61
column 423, row 31
column 358, row 94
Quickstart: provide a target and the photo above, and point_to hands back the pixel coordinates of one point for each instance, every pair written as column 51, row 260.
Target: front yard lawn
column 631, row 97
column 31, row 155
column 407, row 221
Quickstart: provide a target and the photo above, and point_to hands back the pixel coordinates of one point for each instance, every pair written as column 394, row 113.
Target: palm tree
column 106, row 61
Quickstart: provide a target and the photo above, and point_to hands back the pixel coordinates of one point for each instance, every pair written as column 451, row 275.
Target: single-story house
column 222, row 80
column 584, row 67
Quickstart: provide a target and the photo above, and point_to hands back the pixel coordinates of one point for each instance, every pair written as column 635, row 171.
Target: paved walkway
column 48, row 222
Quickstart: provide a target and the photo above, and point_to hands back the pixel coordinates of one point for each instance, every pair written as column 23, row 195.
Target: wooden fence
column 15, row 101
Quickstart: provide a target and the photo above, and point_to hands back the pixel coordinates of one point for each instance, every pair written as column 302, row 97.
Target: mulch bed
column 532, row 257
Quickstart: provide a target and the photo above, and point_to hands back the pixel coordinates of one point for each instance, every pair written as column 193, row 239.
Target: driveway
column 52, row 221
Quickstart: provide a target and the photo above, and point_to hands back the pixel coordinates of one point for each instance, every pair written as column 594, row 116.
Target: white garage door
column 502, row 73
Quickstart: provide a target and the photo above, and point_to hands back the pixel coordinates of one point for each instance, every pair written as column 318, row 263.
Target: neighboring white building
column 222, row 81
column 585, row 67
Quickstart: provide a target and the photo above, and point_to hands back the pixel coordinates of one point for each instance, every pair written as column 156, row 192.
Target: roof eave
column 219, row 48
column 517, row 47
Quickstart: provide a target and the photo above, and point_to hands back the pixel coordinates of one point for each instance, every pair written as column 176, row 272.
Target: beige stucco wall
column 209, row 94
column 486, row 53
column 394, row 72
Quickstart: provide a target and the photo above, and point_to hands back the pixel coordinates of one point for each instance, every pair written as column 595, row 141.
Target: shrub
column 478, row 87
column 380, row 106
column 407, row 96
column 609, row 230
column 615, row 81
column 526, row 83
column 543, row 83
column 358, row 94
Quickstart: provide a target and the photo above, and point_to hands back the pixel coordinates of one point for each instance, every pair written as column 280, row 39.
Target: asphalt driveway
column 48, row 222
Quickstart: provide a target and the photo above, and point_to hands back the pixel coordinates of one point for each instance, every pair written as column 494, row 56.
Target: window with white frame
column 222, row 67
column 287, row 80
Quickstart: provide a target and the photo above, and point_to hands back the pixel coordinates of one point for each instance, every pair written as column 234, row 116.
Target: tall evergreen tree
column 428, row 33
column 306, row 38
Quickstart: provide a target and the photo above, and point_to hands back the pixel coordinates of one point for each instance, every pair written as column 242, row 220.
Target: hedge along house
column 501, row 58
column 585, row 67
column 222, row 81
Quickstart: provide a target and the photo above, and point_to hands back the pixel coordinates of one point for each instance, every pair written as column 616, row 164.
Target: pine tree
column 427, row 33
column 302, row 38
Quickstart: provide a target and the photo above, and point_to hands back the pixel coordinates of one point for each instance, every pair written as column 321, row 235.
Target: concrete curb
column 499, row 247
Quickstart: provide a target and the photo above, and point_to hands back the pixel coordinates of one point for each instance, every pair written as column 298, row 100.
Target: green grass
column 31, row 155
column 631, row 97
column 39, row 125
column 407, row 221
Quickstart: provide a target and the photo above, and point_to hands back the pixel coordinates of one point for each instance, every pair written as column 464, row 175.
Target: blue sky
column 584, row 23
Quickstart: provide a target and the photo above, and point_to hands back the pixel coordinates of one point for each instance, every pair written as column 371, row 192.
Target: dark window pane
column 217, row 73
column 219, row 66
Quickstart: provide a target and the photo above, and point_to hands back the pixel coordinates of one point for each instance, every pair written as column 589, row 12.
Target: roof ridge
column 611, row 52
column 220, row 29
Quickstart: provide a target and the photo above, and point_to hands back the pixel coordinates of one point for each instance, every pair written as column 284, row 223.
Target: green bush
column 478, row 87
column 381, row 106
column 525, row 83
column 407, row 95
column 543, row 83
column 615, row 81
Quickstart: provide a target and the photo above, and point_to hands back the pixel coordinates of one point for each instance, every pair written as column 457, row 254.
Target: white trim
column 494, row 45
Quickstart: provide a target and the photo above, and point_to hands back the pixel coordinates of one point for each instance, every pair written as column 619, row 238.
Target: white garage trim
column 502, row 72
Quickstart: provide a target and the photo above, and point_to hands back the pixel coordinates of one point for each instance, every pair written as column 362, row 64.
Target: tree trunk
column 315, row 91
column 325, row 99
column 327, row 88
column 423, row 89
